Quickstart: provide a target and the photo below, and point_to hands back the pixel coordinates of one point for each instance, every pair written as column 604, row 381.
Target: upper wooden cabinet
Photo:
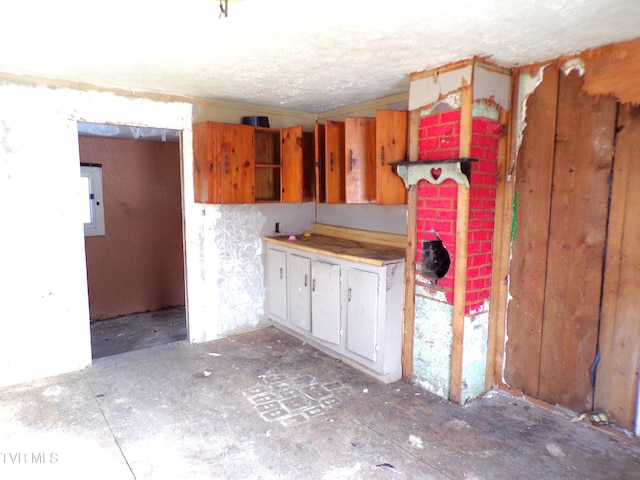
column 244, row 164
column 355, row 159
column 391, row 146
column 334, row 161
column 360, row 160
column 223, row 163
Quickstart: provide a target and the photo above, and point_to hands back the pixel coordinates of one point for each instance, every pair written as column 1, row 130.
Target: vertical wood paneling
column 500, row 268
column 577, row 232
column 617, row 376
column 529, row 257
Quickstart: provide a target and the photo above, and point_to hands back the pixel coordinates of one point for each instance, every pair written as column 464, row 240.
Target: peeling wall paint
column 428, row 90
column 433, row 340
column 527, row 84
column 492, row 83
column 241, row 293
column 474, row 358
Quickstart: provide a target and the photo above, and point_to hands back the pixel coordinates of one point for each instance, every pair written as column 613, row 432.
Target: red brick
column 452, row 116
column 430, row 120
column 489, row 141
column 440, row 130
column 485, row 247
column 426, row 213
column 475, row 140
column 442, row 154
column 491, row 154
column 479, row 125
column 477, row 152
column 441, row 203
column 472, row 297
column 452, row 141
column 427, row 190
column 447, row 214
column 485, row 271
column 493, row 127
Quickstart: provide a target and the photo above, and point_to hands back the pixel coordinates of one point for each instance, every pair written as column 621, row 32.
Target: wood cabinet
column 357, row 159
column 391, row 146
column 360, row 159
column 245, row 164
column 349, row 309
column 334, row 161
column 223, row 163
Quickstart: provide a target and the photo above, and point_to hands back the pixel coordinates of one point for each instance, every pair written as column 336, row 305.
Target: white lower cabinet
column 325, row 305
column 362, row 312
column 299, row 291
column 277, row 284
column 349, row 309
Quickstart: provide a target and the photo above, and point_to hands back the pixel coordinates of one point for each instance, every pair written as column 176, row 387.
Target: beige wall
column 138, row 264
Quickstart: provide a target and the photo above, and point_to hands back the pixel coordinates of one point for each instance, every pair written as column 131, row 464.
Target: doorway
column 135, row 268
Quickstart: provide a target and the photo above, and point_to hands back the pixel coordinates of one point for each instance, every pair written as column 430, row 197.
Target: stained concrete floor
column 264, row 405
column 137, row 331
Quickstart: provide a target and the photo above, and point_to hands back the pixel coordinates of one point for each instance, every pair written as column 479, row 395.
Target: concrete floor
column 264, row 405
column 137, row 331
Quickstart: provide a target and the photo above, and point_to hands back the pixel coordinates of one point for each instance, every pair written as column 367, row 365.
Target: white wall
column 382, row 218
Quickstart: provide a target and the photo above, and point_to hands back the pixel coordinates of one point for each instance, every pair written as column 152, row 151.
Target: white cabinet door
column 326, row 301
column 362, row 313
column 299, row 291
column 277, row 283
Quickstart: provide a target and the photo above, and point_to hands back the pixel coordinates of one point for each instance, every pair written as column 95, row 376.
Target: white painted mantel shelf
column 341, row 291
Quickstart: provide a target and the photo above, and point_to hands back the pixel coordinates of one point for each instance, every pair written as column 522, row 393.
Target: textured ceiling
column 311, row 56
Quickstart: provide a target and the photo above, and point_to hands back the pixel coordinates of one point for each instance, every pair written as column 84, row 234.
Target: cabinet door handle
column 352, row 160
column 382, row 155
column 313, row 285
column 306, row 280
column 226, row 164
column 280, row 273
column 331, row 161
column 349, row 294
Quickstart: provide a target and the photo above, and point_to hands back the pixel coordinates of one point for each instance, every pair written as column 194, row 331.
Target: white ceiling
column 306, row 55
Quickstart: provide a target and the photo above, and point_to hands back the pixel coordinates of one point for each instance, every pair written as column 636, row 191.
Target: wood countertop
column 344, row 248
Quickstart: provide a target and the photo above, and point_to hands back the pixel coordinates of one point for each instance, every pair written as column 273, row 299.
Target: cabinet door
column 235, row 156
column 325, row 301
column 360, row 160
column 205, row 164
column 362, row 313
column 292, row 166
column 277, row 283
column 319, row 155
column 299, row 290
column 334, row 161
column 391, row 146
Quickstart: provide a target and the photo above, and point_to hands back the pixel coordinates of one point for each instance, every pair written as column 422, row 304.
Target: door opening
column 135, row 269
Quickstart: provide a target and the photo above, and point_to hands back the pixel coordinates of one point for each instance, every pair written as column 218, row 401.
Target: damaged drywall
column 474, row 358
column 240, row 273
column 433, row 340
